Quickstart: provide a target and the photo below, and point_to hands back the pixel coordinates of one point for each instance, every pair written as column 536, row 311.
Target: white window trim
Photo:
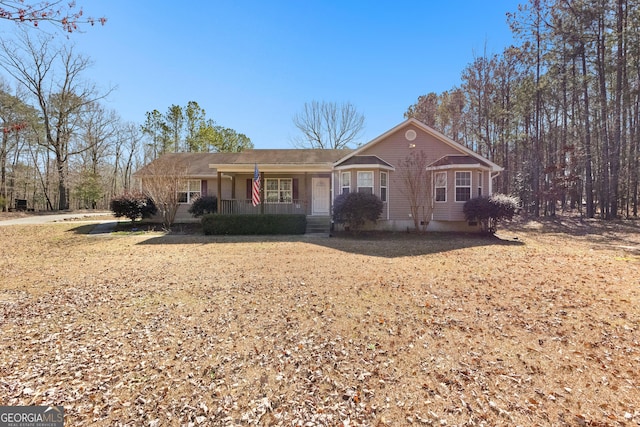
column 436, row 186
column 386, row 186
column 480, row 175
column 280, row 201
column 456, row 186
column 189, row 190
column 342, row 186
column 372, row 186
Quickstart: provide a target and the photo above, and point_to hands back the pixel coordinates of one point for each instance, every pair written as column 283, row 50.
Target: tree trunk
column 588, row 183
column 615, row 158
column 605, row 171
column 63, row 200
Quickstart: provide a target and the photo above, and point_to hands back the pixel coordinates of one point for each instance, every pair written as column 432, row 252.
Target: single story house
column 307, row 181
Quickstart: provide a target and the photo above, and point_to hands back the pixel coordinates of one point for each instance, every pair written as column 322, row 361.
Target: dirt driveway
column 93, row 216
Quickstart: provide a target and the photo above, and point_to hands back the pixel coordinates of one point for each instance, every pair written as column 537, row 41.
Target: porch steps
column 318, row 224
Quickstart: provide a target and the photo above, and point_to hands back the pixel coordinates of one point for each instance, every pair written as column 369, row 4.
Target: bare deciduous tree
column 327, row 125
column 53, row 76
column 416, row 184
column 161, row 181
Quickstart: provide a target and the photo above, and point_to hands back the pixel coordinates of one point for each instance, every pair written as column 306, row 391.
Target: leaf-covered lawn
column 538, row 327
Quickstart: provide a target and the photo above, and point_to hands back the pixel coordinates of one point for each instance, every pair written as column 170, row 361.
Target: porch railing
column 244, row 206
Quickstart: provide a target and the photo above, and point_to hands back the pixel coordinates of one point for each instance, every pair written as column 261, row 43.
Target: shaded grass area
column 530, row 328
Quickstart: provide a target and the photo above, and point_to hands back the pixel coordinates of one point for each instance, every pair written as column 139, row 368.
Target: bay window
column 463, row 186
column 365, row 182
column 441, row 186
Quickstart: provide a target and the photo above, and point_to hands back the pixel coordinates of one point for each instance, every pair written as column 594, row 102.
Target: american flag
column 255, row 191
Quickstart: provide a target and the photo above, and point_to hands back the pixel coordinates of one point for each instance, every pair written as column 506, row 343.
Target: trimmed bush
column 214, row 224
column 133, row 206
column 204, row 205
column 489, row 210
column 355, row 209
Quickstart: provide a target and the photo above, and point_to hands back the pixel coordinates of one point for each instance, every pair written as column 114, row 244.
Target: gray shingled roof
column 458, row 160
column 364, row 160
column 196, row 164
column 292, row 156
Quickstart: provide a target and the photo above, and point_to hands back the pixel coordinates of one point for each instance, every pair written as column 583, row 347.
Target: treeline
column 187, row 129
column 61, row 148
column 559, row 111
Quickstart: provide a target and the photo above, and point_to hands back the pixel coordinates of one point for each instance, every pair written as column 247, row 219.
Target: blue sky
column 253, row 64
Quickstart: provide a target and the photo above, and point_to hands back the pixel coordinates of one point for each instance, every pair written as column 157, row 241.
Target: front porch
column 280, row 193
column 245, row 207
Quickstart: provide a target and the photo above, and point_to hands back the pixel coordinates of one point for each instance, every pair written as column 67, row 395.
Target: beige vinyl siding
column 212, row 187
column 394, row 149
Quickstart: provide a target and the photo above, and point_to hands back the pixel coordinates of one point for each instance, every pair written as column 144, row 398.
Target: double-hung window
column 463, row 186
column 479, row 184
column 188, row 190
column 365, row 182
column 383, row 186
column 441, row 186
column 278, row 190
column 345, row 182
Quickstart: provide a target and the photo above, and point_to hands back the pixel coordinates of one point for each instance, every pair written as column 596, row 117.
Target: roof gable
column 429, row 131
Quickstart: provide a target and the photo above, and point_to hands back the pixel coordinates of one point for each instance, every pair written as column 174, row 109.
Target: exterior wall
column 211, row 186
column 452, row 210
column 394, row 150
column 304, row 196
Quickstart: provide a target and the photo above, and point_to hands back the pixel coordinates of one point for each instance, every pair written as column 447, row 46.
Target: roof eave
column 272, row 167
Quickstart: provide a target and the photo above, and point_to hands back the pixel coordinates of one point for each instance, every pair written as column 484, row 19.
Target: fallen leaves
column 132, row 331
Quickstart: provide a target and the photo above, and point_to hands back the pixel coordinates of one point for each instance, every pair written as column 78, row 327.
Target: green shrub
column 253, row 224
column 355, row 209
column 204, row 205
column 132, row 205
column 489, row 210
column 3, row 203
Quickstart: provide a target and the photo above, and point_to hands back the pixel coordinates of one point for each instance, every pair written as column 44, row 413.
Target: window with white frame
column 441, row 186
column 463, row 186
column 278, row 190
column 383, row 186
column 365, row 182
column 479, row 184
column 345, row 182
column 188, row 190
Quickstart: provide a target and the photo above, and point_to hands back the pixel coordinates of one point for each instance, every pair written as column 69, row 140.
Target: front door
column 320, row 195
